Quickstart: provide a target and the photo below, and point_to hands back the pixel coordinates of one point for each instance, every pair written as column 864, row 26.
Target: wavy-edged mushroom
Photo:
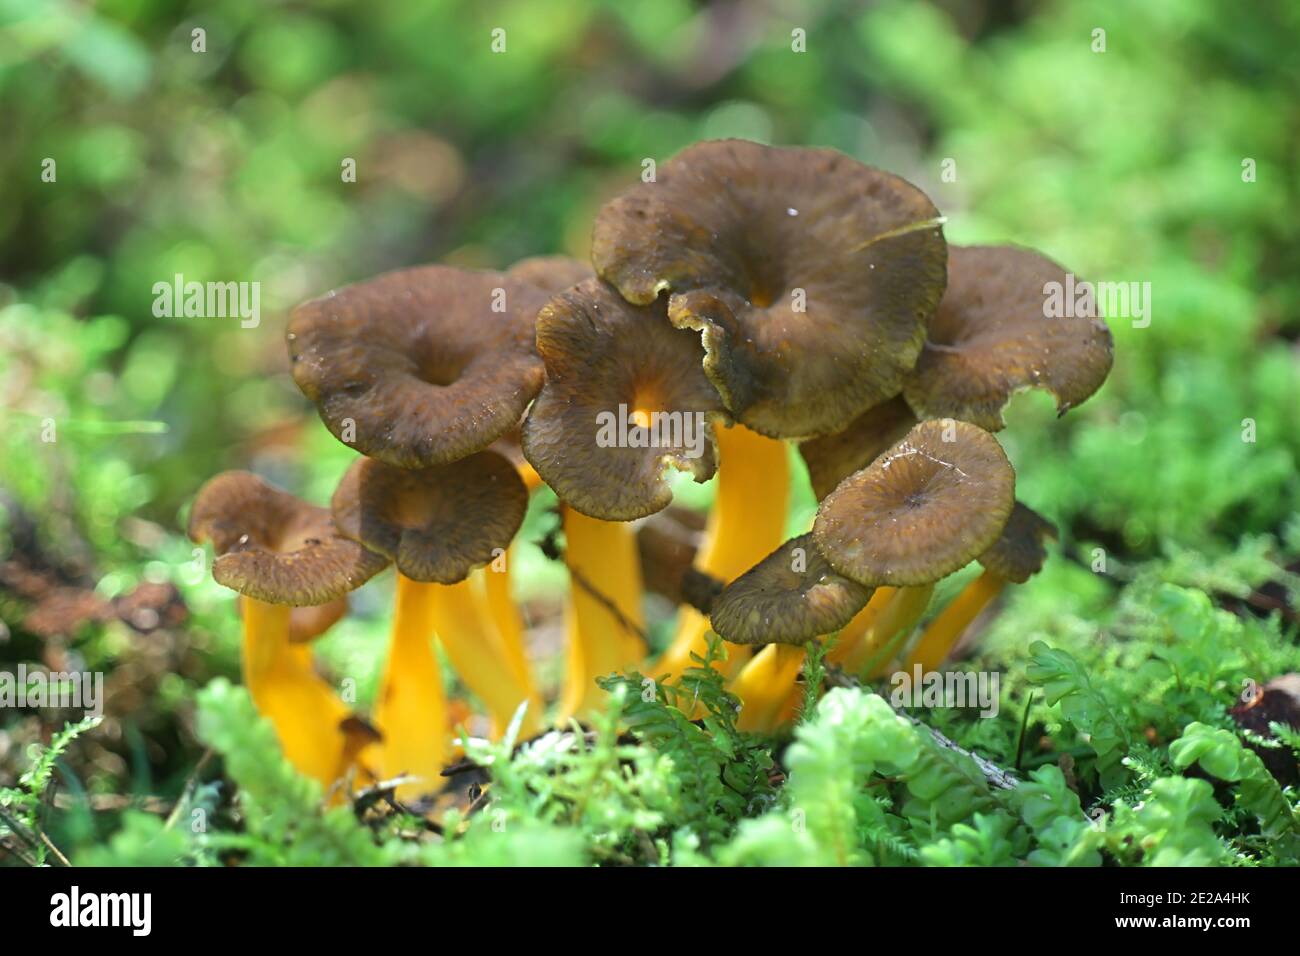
column 920, row 511
column 437, row 525
column 625, row 402
column 1016, row 555
column 996, row 334
column 810, row 276
column 281, row 553
column 925, row 508
column 423, row 366
column 789, row 598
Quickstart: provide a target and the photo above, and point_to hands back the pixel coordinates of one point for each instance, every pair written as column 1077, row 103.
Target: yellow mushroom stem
column 307, row 715
column 411, row 709
column 855, row 634
column 890, row 630
column 943, row 633
column 460, row 618
column 746, row 524
column 605, row 569
column 868, row 641
column 763, row 685
column 504, row 614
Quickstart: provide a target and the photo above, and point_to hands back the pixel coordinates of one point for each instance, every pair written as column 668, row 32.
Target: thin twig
column 995, row 775
column 188, row 790
column 58, row 854
column 1024, row 726
column 551, row 548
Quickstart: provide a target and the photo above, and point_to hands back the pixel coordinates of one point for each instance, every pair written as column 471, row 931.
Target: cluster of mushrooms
column 782, row 296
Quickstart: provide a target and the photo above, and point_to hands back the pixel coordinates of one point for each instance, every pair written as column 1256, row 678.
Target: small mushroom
column 423, row 366
column 993, row 336
column 922, row 510
column 1016, row 555
column 810, row 276
column 624, row 401
column 790, row 597
column 437, row 524
column 280, row 552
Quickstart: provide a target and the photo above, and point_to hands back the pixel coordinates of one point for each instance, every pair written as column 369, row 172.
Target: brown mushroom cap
column 422, row 363
column 991, row 339
column 437, row 524
column 274, row 547
column 920, row 511
column 602, row 353
column 551, row 274
column 779, row 601
column 1018, row 553
column 733, row 230
column 832, row 458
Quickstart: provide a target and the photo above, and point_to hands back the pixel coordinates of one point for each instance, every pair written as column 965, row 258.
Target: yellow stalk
column 856, row 632
column 943, row 633
column 604, row 554
column 504, row 614
column 411, row 711
column 763, row 685
column 746, row 524
column 887, row 619
column 899, row 615
column 305, row 711
column 459, row 618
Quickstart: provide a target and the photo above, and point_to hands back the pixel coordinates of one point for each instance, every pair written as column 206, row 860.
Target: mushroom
column 922, row 510
column 810, row 276
column 420, row 367
column 789, row 598
column 625, row 400
column 1016, row 555
column 437, row 524
column 281, row 553
column 993, row 337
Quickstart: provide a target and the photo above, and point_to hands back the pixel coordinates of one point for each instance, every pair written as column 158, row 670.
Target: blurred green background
column 1125, row 164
